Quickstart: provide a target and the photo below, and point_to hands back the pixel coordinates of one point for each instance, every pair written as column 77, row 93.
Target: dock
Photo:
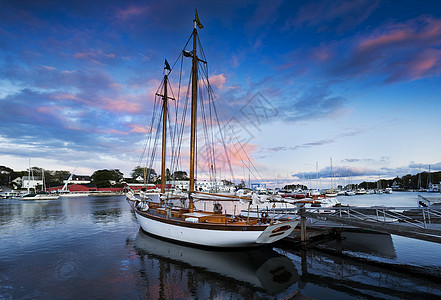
column 419, row 223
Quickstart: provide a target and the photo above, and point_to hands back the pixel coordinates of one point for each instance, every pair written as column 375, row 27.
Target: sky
column 304, row 82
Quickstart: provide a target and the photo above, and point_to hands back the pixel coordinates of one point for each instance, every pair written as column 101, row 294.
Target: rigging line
column 179, row 130
column 249, row 160
column 182, row 124
column 207, row 129
column 176, row 125
column 155, row 146
column 156, row 142
column 243, row 150
column 172, row 130
column 210, row 104
column 221, row 132
column 149, row 136
column 183, row 49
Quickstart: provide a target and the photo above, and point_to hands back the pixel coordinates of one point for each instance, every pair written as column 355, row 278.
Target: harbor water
column 92, row 247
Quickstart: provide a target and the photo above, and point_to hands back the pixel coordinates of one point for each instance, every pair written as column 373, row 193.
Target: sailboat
column 331, row 192
column 175, row 217
column 65, row 192
column 40, row 195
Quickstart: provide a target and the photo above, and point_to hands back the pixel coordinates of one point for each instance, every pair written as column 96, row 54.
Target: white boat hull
column 216, row 236
column 40, row 197
column 74, row 195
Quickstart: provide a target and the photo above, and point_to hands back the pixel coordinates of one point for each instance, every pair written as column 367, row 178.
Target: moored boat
column 176, row 217
column 39, row 195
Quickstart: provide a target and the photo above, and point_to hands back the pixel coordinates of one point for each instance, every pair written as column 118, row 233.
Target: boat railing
column 420, row 217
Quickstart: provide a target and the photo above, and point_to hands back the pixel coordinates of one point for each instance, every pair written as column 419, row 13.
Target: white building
column 31, row 182
column 78, row 179
column 202, row 185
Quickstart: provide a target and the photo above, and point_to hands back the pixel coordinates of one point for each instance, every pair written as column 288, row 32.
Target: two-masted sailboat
column 175, row 217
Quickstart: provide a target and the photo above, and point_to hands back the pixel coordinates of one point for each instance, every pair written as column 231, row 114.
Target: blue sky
column 356, row 81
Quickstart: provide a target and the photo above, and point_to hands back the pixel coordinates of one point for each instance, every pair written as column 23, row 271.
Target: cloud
column 424, row 167
column 337, row 16
column 382, row 160
column 93, row 55
column 120, row 105
column 324, row 142
column 132, row 12
column 315, row 102
column 306, row 145
column 217, row 80
column 137, row 128
column 396, row 52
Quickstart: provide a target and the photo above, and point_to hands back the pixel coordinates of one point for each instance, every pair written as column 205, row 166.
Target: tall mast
column 164, row 133
column 167, row 71
column 29, row 176
column 332, row 177
column 194, row 98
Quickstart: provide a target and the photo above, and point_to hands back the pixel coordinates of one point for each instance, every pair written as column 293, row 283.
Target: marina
column 178, row 151
column 92, row 247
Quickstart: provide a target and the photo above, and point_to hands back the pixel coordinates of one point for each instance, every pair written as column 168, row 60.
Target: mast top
column 196, row 20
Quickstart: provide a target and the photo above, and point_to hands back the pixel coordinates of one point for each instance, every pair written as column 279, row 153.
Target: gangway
column 422, row 223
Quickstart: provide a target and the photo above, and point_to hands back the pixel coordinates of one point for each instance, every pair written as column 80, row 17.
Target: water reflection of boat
column 261, row 267
column 369, row 243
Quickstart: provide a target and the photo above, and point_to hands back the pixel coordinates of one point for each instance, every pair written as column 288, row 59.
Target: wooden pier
column 418, row 223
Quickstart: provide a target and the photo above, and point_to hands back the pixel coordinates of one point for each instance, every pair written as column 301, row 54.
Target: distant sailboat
column 40, row 195
column 65, row 192
column 331, row 193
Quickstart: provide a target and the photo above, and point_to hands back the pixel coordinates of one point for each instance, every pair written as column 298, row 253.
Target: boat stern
column 276, row 232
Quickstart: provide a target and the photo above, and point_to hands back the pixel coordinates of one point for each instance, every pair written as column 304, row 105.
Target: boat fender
column 264, row 217
column 143, row 206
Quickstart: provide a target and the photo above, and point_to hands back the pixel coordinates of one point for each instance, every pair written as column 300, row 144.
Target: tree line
column 406, row 182
column 100, row 178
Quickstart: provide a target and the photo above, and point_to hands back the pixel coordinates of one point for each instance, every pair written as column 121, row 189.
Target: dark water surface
column 91, row 247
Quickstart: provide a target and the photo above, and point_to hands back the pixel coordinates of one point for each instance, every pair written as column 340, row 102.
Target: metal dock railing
column 415, row 222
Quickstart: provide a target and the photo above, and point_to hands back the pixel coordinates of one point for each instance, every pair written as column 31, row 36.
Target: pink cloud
column 115, row 85
column 117, row 131
column 65, row 96
column 46, row 109
column 121, row 105
column 139, row 128
column 323, row 54
column 426, row 62
column 398, row 52
column 49, row 68
column 132, row 11
column 217, row 80
column 384, row 39
column 421, row 32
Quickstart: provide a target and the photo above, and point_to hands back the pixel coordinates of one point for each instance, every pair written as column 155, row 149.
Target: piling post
column 303, row 225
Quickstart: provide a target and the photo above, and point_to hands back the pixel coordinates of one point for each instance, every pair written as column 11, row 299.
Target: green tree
column 102, row 178
column 55, row 178
column 149, row 173
column 5, row 175
column 241, row 185
column 180, row 175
